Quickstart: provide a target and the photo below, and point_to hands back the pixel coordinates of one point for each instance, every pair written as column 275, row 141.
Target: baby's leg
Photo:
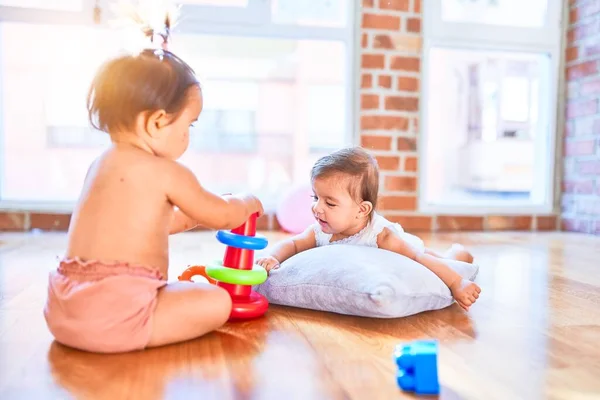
column 456, row 252
column 464, row 291
column 460, row 253
column 187, row 310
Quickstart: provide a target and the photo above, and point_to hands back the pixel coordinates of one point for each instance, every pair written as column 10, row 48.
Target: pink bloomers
column 101, row 307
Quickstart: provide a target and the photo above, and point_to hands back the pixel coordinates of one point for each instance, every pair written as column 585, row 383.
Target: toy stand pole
column 246, row 303
column 240, row 258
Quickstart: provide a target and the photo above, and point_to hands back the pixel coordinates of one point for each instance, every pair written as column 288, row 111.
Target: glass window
column 261, row 118
column 260, row 126
column 217, row 3
column 516, row 13
column 332, row 13
column 482, row 122
column 61, row 5
column 326, row 109
column 490, row 89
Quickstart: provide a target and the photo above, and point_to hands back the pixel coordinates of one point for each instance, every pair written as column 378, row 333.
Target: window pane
column 47, row 141
column 516, row 13
column 329, row 13
column 326, row 110
column 261, row 120
column 484, row 121
column 216, row 3
column 61, row 5
column 256, row 131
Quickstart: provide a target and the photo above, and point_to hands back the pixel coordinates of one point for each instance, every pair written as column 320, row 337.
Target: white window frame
column 254, row 20
column 470, row 36
column 36, row 15
column 255, row 13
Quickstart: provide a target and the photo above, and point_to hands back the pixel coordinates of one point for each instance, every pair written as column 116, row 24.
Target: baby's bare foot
column 465, row 293
column 459, row 252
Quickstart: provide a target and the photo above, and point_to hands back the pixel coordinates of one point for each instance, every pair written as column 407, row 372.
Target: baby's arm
column 288, row 248
column 464, row 292
column 203, row 207
column 181, row 222
column 389, row 240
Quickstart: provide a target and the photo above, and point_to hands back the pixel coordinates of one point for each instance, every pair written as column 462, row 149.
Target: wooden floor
column 534, row 334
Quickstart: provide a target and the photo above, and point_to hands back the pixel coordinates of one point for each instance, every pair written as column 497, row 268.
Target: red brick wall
column 389, row 88
column 581, row 183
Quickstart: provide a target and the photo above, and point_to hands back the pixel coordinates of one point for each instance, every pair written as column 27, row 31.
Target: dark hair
column 129, row 85
column 354, row 162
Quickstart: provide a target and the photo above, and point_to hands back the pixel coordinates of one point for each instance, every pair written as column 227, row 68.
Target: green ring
column 221, row 273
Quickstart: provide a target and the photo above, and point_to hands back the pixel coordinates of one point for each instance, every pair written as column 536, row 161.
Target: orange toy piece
column 196, row 270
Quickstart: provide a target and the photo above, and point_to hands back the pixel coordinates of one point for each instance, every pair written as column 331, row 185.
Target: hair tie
column 153, row 18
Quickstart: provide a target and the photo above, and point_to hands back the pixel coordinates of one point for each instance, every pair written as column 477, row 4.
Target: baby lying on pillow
column 345, row 185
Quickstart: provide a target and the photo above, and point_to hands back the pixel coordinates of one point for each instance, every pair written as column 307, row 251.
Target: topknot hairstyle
column 150, row 19
column 356, row 163
column 131, row 84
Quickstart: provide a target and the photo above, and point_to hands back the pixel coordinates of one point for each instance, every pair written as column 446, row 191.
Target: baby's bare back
column 123, row 213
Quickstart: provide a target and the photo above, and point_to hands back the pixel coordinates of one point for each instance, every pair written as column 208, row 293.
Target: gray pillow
column 359, row 280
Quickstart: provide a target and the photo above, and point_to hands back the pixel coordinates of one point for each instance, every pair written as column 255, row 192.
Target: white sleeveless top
column 368, row 235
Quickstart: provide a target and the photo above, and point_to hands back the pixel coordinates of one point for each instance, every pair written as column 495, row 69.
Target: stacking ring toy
column 196, row 270
column 237, row 273
column 219, row 272
column 241, row 241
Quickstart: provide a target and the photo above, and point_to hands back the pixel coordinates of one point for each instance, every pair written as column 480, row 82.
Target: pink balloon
column 294, row 212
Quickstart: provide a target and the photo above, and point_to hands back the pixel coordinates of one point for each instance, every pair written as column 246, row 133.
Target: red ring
column 249, row 307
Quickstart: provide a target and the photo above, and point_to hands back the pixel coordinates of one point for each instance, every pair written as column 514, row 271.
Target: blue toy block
column 417, row 367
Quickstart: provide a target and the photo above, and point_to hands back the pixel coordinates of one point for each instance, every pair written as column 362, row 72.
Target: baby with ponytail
column 110, row 292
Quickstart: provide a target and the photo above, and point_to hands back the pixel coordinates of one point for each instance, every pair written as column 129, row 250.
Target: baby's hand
column 254, row 204
column 259, row 207
column 268, row 263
